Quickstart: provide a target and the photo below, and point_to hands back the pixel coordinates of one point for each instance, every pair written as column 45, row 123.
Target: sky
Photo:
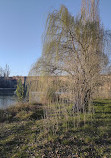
column 22, row 24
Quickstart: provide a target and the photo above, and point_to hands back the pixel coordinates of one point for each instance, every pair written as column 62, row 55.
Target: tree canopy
column 74, row 47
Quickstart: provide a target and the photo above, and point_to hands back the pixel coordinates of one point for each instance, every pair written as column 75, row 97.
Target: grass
column 22, row 134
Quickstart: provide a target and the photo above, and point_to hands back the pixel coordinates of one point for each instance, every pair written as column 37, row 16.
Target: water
column 6, row 101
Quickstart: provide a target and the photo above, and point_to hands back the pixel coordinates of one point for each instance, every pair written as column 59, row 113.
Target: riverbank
column 22, row 134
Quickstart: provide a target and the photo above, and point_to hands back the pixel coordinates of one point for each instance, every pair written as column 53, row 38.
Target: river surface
column 6, row 101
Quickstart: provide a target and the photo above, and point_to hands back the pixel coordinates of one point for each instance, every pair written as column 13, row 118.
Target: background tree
column 5, row 72
column 20, row 90
column 4, row 75
column 1, row 72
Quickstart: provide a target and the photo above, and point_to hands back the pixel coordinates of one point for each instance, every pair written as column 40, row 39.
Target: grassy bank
column 22, row 134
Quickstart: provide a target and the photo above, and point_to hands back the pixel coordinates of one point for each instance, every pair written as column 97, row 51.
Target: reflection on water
column 6, row 101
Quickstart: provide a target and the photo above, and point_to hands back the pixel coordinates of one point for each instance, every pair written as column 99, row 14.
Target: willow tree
column 73, row 47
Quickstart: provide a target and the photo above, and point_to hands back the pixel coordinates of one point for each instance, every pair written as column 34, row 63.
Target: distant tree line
column 4, row 77
column 5, row 72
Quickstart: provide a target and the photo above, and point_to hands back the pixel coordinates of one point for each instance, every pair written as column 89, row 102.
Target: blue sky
column 22, row 23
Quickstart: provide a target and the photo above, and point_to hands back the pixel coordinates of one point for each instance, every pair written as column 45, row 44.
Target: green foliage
column 20, row 90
